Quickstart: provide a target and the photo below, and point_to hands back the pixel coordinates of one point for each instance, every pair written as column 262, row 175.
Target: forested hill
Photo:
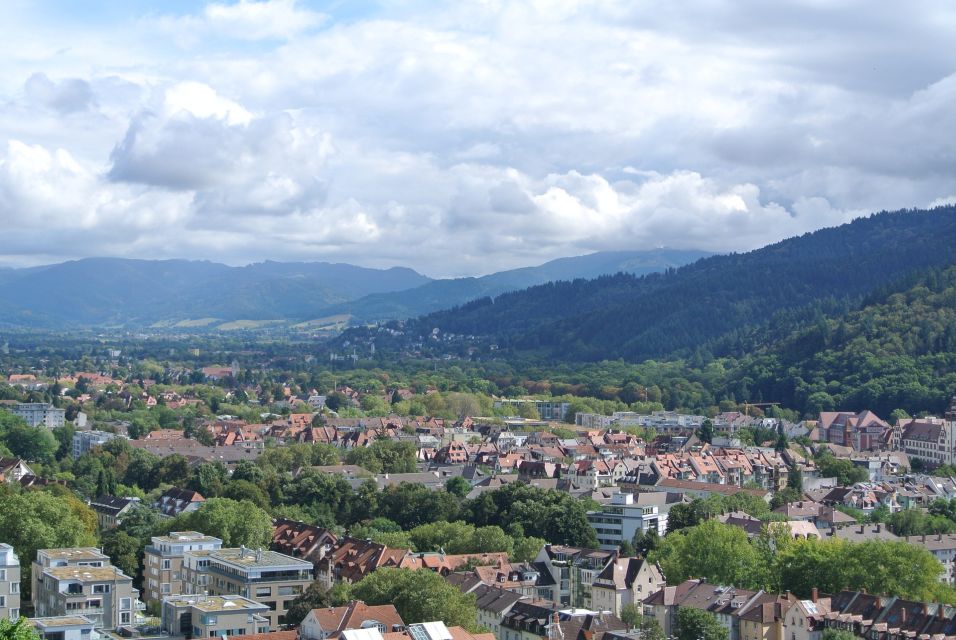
column 898, row 350
column 678, row 312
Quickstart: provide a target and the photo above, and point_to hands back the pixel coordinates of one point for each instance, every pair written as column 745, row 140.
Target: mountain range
column 116, row 292
column 718, row 305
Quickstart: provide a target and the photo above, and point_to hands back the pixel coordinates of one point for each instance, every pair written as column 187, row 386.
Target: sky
column 465, row 137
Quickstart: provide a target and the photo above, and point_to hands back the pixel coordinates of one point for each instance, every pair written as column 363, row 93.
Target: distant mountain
column 714, row 303
column 442, row 294
column 121, row 292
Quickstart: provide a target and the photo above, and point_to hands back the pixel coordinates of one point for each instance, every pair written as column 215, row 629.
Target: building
column 943, row 548
column 547, row 409
column 931, row 440
column 14, row 470
column 862, row 431
column 81, row 581
column 63, row 627
column 174, row 502
column 40, row 414
column 329, row 623
column 201, row 616
column 9, row 583
column 163, row 562
column 625, row 581
column 620, row 520
column 110, row 510
column 274, row 579
column 84, row 441
column 573, row 571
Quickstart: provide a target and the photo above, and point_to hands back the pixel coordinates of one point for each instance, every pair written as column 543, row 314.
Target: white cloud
column 474, row 136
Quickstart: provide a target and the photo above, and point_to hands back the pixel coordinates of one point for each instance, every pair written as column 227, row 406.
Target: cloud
column 468, row 137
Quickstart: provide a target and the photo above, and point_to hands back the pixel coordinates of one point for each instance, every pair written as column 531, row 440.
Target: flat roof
column 177, row 537
column 258, row 558
column 211, row 604
column 75, row 553
column 61, row 621
column 86, row 574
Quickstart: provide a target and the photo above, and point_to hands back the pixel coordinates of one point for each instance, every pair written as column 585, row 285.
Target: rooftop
column 75, row 553
column 60, row 621
column 177, row 537
column 210, row 604
column 86, row 574
column 259, row 558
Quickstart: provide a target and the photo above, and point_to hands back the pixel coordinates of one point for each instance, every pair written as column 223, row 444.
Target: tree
column 458, row 486
column 123, row 550
column 314, row 597
column 31, row 443
column 527, row 548
column 712, row 550
column 19, row 629
column 631, row 615
column 34, row 520
column 626, row 549
column 838, row 634
column 706, row 431
column 419, row 596
column 336, row 400
column 235, row 523
column 697, row 624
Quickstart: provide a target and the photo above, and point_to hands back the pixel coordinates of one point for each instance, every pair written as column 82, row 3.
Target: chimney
column 258, row 555
column 902, row 616
column 814, row 594
column 925, row 609
column 242, row 551
column 862, row 528
column 879, row 527
column 941, row 611
column 924, row 537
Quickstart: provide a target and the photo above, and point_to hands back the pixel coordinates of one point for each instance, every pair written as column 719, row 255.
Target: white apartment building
column 40, row 414
column 83, row 441
column 9, row 583
column 620, row 520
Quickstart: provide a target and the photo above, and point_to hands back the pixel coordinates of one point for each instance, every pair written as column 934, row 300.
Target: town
column 212, row 503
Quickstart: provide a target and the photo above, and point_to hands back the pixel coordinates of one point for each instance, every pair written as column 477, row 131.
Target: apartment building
column 573, row 571
column 84, row 441
column 272, row 578
column 625, row 581
column 201, row 616
column 40, row 414
column 63, row 628
column 620, row 520
column 9, row 583
column 163, row 572
column 82, row 582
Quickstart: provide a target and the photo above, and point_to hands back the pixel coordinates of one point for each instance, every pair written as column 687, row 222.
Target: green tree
column 314, row 597
column 631, row 615
column 706, row 431
column 34, row 520
column 19, row 629
column 838, row 634
column 123, row 550
column 527, row 548
column 458, row 486
column 712, row 550
column 31, row 443
column 235, row 523
column 419, row 596
column 697, row 624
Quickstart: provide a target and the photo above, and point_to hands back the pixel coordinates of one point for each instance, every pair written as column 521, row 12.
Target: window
column 208, row 620
column 101, row 588
column 14, row 587
column 165, row 588
column 126, row 603
column 124, row 617
column 3, row 601
column 3, row 574
column 263, row 591
column 165, row 564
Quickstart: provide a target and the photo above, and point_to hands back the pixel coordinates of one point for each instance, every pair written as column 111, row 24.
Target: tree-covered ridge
column 896, row 351
column 674, row 313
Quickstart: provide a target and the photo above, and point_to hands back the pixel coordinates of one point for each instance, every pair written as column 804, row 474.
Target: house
column 620, row 520
column 40, row 414
column 806, row 619
column 625, row 581
column 329, row 623
column 174, row 502
column 863, row 431
column 725, row 603
column 573, row 571
column 301, row 540
column 110, row 510
column 14, row 470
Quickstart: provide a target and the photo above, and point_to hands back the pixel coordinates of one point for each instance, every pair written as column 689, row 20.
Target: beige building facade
column 163, row 572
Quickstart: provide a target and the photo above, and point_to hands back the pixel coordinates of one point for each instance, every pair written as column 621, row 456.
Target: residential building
column 301, row 540
column 943, row 548
column 573, row 570
column 547, row 409
column 932, row 440
column 63, row 627
column 529, row 620
column 81, row 581
column 84, row 441
column 763, row 618
column 493, row 605
column 111, row 510
column 625, row 581
column 863, row 431
column 163, row 562
column 201, row 616
column 806, row 619
column 14, row 470
column 274, row 579
column 174, row 502
column 329, row 623
column 9, row 583
column 723, row 602
column 621, row 519
column 40, row 414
